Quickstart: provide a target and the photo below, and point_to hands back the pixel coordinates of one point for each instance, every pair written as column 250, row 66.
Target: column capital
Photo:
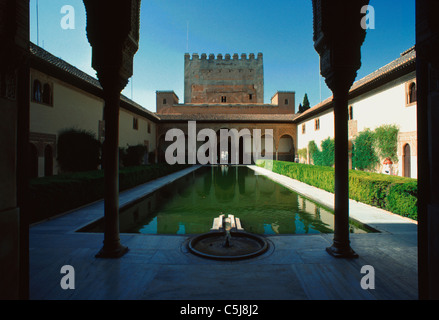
column 338, row 36
column 113, row 33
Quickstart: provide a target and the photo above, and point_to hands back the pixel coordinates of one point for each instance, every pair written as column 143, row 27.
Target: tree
column 386, row 141
column 324, row 157
column 133, row 155
column 364, row 156
column 305, row 103
column 78, row 150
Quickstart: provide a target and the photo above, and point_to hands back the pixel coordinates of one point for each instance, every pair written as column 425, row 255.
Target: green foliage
column 78, row 150
column 303, row 153
column 312, row 148
column 133, row 155
column 386, row 142
column 370, row 146
column 402, row 199
column 324, row 157
column 364, row 156
column 392, row 193
column 304, row 105
column 53, row 195
column 318, row 176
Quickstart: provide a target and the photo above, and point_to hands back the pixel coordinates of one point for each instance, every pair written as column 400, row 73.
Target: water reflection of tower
column 224, row 182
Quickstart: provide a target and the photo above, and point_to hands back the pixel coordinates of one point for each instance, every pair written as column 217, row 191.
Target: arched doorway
column 407, row 161
column 286, row 150
column 48, row 161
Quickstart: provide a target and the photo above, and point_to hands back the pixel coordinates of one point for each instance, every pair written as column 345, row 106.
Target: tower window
column 250, row 96
column 286, row 101
column 164, row 101
column 223, row 99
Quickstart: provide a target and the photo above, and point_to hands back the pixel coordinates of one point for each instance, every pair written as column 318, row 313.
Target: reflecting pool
column 189, row 205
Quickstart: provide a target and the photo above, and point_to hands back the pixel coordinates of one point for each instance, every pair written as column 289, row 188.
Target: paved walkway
column 159, row 267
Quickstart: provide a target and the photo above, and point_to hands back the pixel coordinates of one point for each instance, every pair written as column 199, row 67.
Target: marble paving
column 159, row 267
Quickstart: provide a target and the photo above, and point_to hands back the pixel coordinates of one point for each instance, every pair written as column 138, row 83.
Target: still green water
column 189, row 205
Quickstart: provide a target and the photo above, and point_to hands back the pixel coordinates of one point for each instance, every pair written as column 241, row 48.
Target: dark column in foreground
column 427, row 77
column 338, row 36
column 113, row 32
column 14, row 142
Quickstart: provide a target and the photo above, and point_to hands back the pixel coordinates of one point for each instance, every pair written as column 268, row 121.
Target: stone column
column 14, row 131
column 341, row 245
column 427, row 74
column 338, row 37
column 113, row 32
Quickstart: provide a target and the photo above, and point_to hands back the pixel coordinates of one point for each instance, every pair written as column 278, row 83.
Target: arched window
column 47, row 94
column 36, row 92
column 412, row 92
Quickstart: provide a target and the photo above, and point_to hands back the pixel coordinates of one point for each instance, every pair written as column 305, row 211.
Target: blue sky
column 282, row 30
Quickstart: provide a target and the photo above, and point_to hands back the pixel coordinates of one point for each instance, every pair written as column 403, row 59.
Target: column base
column 345, row 252
column 112, row 253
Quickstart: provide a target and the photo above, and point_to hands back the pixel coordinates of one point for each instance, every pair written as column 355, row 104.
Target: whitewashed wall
column 384, row 105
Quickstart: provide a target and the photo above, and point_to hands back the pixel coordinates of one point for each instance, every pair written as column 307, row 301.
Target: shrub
column 386, row 141
column 78, row 150
column 402, row 199
column 364, row 156
column 53, row 195
column 302, row 153
column 324, row 157
column 133, row 155
column 395, row 194
column 312, row 147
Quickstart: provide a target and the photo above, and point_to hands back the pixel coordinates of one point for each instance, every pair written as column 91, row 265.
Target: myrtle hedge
column 392, row 193
column 50, row 196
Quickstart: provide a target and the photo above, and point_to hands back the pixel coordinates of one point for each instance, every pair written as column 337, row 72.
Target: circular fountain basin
column 243, row 245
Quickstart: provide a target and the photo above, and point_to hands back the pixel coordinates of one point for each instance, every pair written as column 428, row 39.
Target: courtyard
column 160, row 267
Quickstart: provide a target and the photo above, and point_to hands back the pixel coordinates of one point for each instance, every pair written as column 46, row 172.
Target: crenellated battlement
column 221, row 57
column 223, row 78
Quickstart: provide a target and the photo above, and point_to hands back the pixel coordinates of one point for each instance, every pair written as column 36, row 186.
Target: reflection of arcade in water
column 189, row 205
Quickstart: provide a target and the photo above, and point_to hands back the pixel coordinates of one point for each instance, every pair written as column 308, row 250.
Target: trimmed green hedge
column 53, row 195
column 392, row 193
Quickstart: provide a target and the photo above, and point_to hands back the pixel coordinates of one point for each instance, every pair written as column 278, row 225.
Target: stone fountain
column 227, row 240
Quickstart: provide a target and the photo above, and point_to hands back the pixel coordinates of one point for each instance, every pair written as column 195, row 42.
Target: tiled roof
column 407, row 59
column 229, row 117
column 62, row 65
